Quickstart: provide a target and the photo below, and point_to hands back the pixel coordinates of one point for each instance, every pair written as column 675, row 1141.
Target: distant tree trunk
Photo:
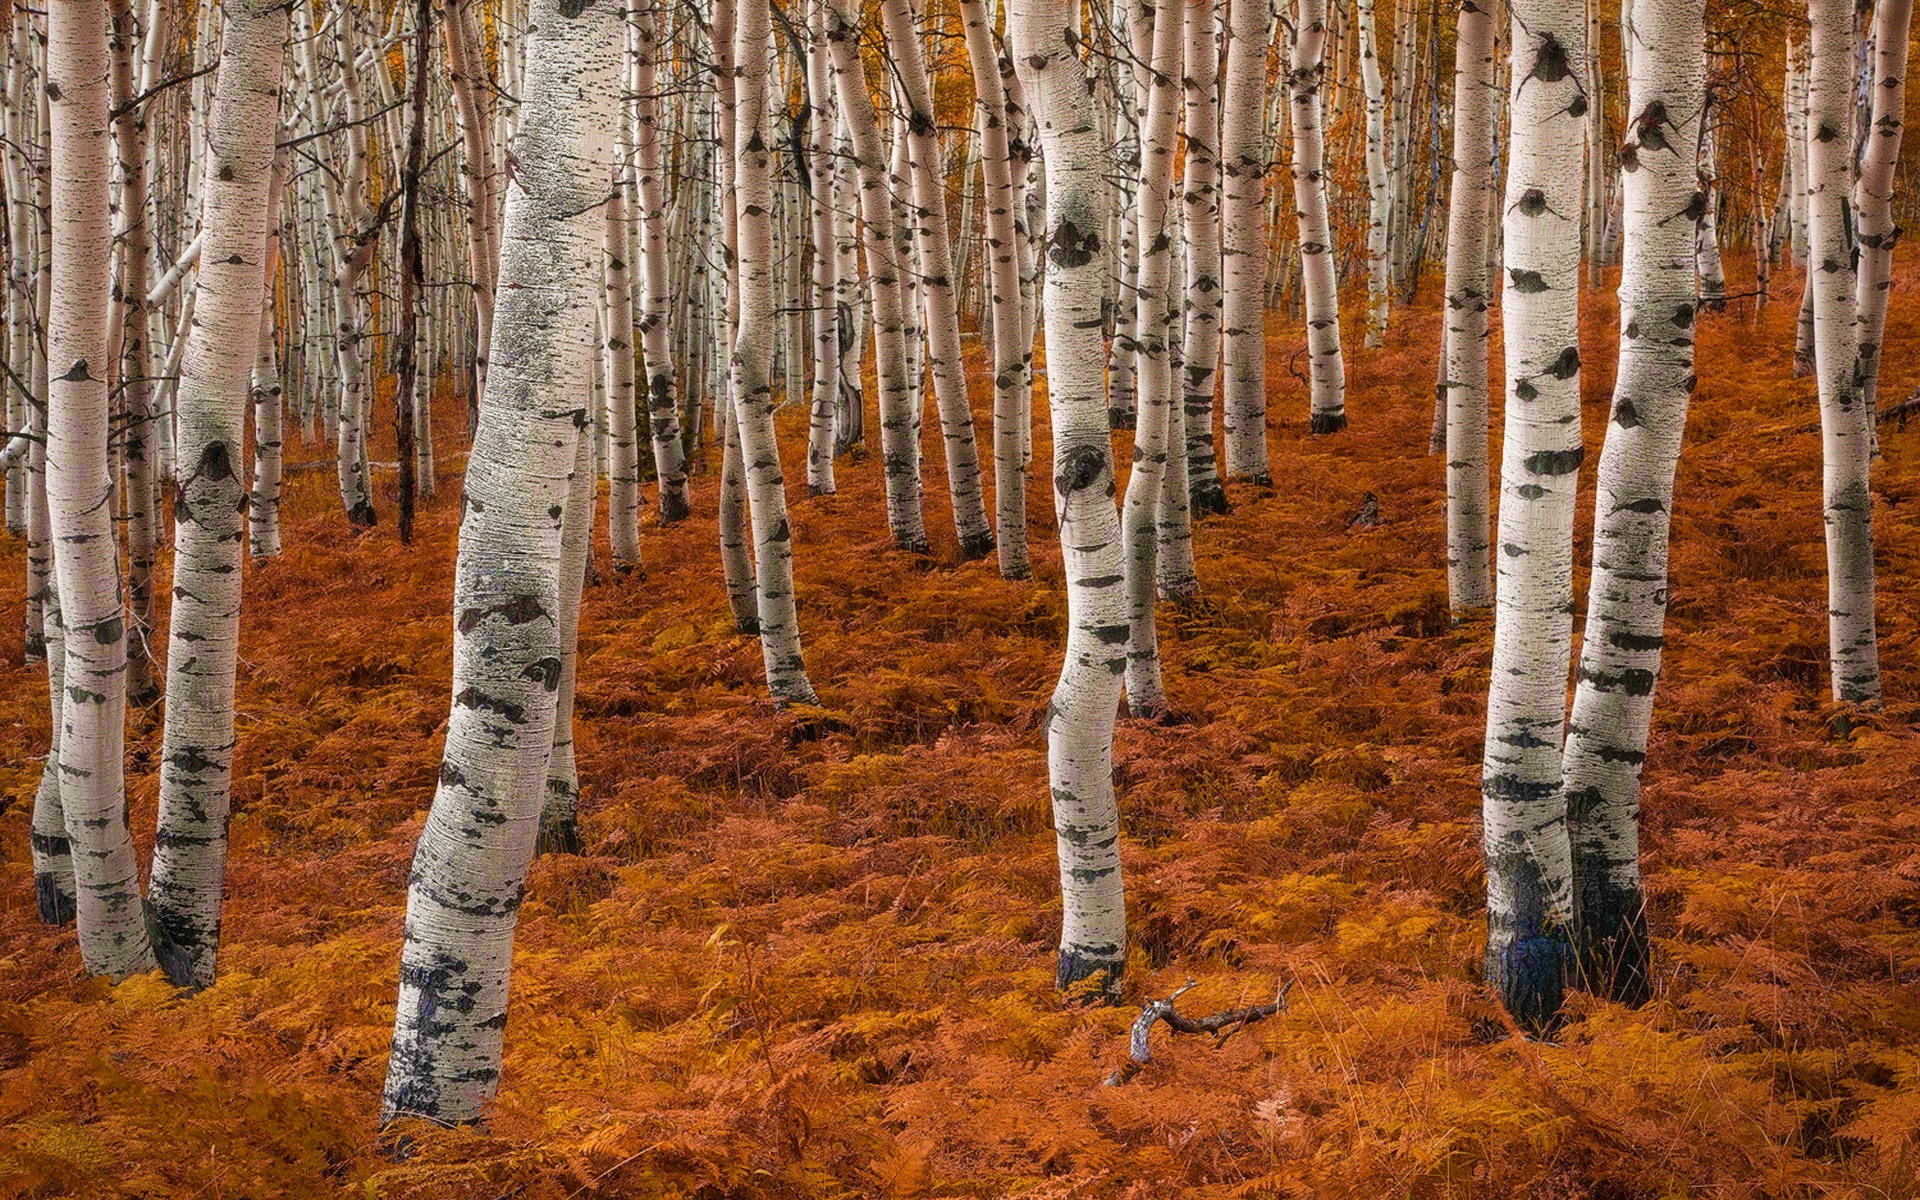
column 1304, row 75
column 477, row 172
column 1627, row 600
column 623, row 447
column 263, row 498
column 1529, row 871
column 1244, row 157
column 1093, row 931
column 753, row 363
column 899, row 443
column 408, row 428
column 736, row 545
column 1200, row 353
column 112, row 923
column 203, row 646
column 470, row 867
column 1010, row 382
column 931, row 243
column 1713, row 280
column 1158, row 33
column 1873, row 191
column 826, row 260
column 1846, row 422
column 1379, row 283
column 1469, row 292
column 663, row 405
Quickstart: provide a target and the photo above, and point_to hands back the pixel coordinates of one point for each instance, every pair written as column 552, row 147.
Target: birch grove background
column 957, row 597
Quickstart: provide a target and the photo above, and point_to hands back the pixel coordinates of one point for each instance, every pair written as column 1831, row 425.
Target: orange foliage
column 811, row 953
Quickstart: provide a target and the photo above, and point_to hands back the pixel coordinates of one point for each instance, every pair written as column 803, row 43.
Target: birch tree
column 1627, row 598
column 1529, row 902
column 1080, row 719
column 1873, row 191
column 210, row 493
column 663, row 405
column 1378, row 192
column 1305, row 72
column 108, row 907
column 464, row 894
column 1469, row 292
column 1243, row 255
column 1846, row 423
column 1200, row 351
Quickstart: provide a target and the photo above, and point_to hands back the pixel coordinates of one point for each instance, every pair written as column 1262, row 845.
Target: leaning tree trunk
column 1529, row 872
column 1200, row 353
column 210, row 493
column 753, row 364
column 1304, row 75
column 1873, row 191
column 736, row 541
column 931, row 244
column 1157, row 30
column 1093, row 930
column 1846, row 423
column 1469, row 292
column 1627, row 599
column 1244, row 160
column 112, row 925
column 899, row 446
column 1011, row 386
column 1378, row 191
column 470, row 867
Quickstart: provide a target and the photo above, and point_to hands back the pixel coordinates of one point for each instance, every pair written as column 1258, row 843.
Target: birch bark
column 468, row 876
column 1304, row 75
column 1627, row 599
column 1244, row 157
column 1080, row 718
column 1846, row 423
column 1873, row 191
column 1469, row 292
column 1529, row 901
column 108, row 908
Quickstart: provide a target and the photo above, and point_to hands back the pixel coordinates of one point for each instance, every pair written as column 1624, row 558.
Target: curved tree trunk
column 1529, row 899
column 1627, row 600
column 469, row 869
column 477, row 173
column 1093, row 931
column 1846, row 424
column 1327, row 369
column 1244, row 159
column 1158, row 30
column 899, row 441
column 753, row 363
column 1011, row 384
column 1200, row 199
column 203, row 644
column 1469, row 292
column 112, row 925
column 1873, row 191
column 736, row 548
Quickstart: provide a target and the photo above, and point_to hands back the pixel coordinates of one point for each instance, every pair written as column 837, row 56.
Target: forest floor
column 812, row 955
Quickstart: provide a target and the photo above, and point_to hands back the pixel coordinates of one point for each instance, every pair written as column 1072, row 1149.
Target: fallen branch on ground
column 1222, row 1025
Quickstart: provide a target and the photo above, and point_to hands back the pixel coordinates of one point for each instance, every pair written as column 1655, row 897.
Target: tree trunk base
column 1321, row 423
column 978, row 545
column 56, row 907
column 1075, row 969
column 1208, row 499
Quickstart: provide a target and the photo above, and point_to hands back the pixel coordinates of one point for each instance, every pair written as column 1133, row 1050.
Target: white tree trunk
column 1529, row 901
column 899, row 440
column 470, row 866
column 753, row 362
column 203, row 644
column 1200, row 352
column 1326, row 368
column 1469, row 292
column 1706, row 255
column 1627, row 599
column 1378, row 191
column 826, row 260
column 1157, row 30
column 1873, row 191
column 1080, row 720
column 1244, row 157
column 263, row 498
column 1846, row 423
column 663, row 404
column 112, row 925
column 623, row 447
column 1011, row 385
